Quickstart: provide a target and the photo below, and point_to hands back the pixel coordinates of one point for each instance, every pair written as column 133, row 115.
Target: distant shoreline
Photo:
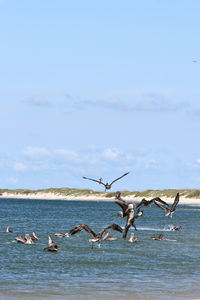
column 55, row 196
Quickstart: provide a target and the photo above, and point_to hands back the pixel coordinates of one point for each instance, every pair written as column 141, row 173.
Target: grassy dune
column 189, row 193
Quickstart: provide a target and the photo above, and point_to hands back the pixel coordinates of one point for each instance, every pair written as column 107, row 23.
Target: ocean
column 149, row 269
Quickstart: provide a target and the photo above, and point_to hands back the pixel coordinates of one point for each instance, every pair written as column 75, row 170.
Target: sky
column 98, row 89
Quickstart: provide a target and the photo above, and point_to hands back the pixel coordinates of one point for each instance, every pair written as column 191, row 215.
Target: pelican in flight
column 51, row 246
column 145, row 202
column 97, row 237
column 125, row 206
column 106, row 185
column 130, row 220
column 170, row 211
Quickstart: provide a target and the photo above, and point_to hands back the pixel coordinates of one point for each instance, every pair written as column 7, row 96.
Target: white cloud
column 39, row 101
column 67, row 155
column 19, row 167
column 36, row 153
column 111, row 154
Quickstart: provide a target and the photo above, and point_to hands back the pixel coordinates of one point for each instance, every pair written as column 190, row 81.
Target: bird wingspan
column 122, row 204
column 159, row 200
column 162, row 207
column 119, row 178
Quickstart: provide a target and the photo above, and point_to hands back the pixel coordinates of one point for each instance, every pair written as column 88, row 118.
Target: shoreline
column 53, row 196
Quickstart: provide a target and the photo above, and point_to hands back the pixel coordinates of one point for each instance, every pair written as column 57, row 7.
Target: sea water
column 149, row 269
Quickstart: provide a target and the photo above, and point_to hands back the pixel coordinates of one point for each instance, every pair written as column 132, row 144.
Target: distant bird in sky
column 145, row 202
column 170, row 211
column 106, row 185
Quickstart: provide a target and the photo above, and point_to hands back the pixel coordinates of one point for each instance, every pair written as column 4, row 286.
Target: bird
column 34, row 236
column 171, row 210
column 176, row 228
column 106, row 185
column 158, row 237
column 97, row 237
column 51, row 246
column 130, row 220
column 125, row 206
column 132, row 238
column 9, row 229
column 26, row 239
column 145, row 202
column 60, row 234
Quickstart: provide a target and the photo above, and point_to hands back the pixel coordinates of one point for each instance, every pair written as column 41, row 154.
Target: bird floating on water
column 51, row 246
column 106, row 185
column 9, row 229
column 133, row 238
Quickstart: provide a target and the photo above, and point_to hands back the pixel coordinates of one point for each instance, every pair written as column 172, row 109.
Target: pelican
column 60, row 234
column 130, row 220
column 51, row 246
column 158, row 237
column 176, row 228
column 24, row 240
column 97, row 237
column 106, row 185
column 145, row 202
column 9, row 229
column 125, row 206
column 34, row 236
column 132, row 238
column 171, row 210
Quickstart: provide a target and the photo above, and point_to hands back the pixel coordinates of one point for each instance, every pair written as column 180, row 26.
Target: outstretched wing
column 159, row 200
column 142, row 202
column 176, row 200
column 50, row 241
column 95, row 180
column 81, row 227
column 114, row 227
column 162, row 207
column 119, row 178
column 122, row 204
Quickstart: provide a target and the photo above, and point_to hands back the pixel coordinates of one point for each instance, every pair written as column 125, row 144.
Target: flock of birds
column 129, row 210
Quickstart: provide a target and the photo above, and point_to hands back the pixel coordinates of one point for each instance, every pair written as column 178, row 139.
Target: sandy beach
column 54, row 196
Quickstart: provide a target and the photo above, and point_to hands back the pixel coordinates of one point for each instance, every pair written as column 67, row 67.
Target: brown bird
column 125, row 206
column 26, row 239
column 9, row 229
column 106, row 185
column 97, row 237
column 51, row 246
column 130, row 220
column 132, row 238
column 145, row 202
column 171, row 210
column 158, row 237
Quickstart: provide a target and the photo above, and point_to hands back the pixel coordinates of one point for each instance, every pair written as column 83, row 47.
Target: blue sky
column 97, row 89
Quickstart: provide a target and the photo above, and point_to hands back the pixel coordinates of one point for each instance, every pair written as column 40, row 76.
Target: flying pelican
column 145, row 202
column 51, row 246
column 125, row 206
column 106, row 185
column 130, row 220
column 132, row 238
column 9, row 229
column 97, row 237
column 171, row 210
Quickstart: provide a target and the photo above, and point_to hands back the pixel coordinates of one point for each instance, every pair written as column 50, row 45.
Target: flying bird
column 130, row 220
column 125, row 206
column 97, row 237
column 106, row 185
column 145, row 202
column 170, row 211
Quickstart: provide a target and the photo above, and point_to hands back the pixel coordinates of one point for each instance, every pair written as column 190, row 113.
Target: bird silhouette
column 170, row 211
column 106, row 185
